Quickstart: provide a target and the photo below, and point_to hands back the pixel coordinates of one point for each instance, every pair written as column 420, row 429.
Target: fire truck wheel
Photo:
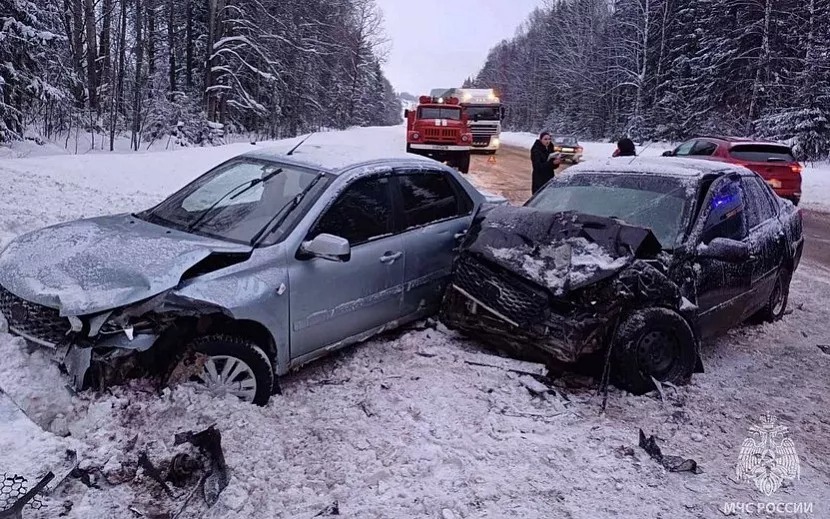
column 463, row 162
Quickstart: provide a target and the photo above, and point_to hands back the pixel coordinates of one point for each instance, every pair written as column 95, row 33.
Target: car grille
column 39, row 323
column 441, row 134
column 502, row 291
column 482, row 131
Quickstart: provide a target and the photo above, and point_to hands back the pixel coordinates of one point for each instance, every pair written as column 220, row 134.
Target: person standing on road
column 625, row 148
column 544, row 165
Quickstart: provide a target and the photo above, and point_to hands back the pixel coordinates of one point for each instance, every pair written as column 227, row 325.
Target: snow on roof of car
column 334, row 157
column 668, row 166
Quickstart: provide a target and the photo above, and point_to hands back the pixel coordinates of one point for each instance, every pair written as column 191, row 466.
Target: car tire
column 778, row 298
column 652, row 342
column 253, row 375
column 464, row 163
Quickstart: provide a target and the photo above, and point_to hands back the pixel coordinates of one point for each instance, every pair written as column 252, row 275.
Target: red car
column 775, row 162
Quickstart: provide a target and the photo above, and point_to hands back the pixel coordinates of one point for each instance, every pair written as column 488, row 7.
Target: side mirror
column 669, row 153
column 501, row 112
column 328, row 246
column 724, row 249
column 406, row 114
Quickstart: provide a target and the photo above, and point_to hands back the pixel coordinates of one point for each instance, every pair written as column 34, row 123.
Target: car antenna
column 291, row 152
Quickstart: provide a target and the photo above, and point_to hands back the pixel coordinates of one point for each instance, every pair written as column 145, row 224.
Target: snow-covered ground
column 410, row 424
column 815, row 177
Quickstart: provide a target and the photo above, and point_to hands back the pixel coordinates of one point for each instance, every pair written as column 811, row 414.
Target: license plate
column 775, row 184
column 441, row 147
column 567, row 150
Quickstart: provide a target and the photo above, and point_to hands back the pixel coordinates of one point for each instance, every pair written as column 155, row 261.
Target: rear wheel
column 777, row 302
column 652, row 342
column 228, row 365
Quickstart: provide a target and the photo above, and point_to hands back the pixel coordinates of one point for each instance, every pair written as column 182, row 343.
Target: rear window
column 762, row 153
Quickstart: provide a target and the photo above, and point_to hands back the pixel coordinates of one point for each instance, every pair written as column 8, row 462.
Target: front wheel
column 228, row 365
column 463, row 162
column 652, row 342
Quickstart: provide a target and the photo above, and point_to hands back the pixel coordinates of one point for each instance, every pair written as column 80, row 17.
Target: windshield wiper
column 249, row 184
column 283, row 213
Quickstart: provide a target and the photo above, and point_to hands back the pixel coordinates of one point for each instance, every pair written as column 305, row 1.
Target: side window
column 726, row 213
column 430, row 197
column 759, row 208
column 361, row 213
column 685, row 148
column 751, row 203
column 704, row 148
column 768, row 209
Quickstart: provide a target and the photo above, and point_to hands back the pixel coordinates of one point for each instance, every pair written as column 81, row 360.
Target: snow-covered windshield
column 484, row 113
column 234, row 201
column 428, row 112
column 657, row 202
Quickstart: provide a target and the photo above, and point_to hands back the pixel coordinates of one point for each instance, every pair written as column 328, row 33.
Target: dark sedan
column 631, row 262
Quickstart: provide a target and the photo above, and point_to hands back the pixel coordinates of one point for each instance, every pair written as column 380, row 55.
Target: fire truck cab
column 438, row 128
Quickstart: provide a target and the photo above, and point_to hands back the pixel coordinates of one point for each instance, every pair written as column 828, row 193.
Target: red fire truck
column 438, row 128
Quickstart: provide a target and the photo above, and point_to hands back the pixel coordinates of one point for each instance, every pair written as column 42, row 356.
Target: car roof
column 739, row 140
column 662, row 166
column 336, row 159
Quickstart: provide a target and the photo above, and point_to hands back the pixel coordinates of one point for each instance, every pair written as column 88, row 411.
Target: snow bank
column 815, row 187
column 592, row 150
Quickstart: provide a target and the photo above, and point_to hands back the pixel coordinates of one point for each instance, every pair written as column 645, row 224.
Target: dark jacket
column 543, row 169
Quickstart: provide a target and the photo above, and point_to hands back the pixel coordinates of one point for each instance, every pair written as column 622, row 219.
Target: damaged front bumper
column 500, row 308
column 74, row 344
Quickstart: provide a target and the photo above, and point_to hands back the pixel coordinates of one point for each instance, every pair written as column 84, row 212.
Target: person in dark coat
column 544, row 167
column 625, row 148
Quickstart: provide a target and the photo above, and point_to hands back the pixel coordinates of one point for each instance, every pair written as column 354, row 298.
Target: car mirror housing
column 668, row 153
column 732, row 251
column 328, row 246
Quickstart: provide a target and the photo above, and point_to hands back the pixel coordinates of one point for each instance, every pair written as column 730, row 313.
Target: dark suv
column 775, row 162
column 632, row 262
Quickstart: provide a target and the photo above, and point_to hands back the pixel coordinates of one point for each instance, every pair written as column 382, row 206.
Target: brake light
column 796, row 168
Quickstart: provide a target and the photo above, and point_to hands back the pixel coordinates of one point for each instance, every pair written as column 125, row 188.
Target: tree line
column 670, row 69
column 190, row 70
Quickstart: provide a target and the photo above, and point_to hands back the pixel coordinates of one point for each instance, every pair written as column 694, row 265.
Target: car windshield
column 659, row 203
column 762, row 153
column 484, row 113
column 234, row 201
column 568, row 141
column 439, row 113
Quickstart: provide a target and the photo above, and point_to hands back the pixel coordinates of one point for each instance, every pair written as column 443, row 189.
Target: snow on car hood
column 88, row 266
column 560, row 251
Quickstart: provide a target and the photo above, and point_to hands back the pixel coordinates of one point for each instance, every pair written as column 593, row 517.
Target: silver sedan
column 259, row 266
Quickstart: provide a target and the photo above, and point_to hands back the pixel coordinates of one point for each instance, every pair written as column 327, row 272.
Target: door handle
column 390, row 257
column 459, row 235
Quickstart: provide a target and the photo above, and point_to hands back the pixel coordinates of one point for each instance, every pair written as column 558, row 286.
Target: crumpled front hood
column 88, row 266
column 560, row 251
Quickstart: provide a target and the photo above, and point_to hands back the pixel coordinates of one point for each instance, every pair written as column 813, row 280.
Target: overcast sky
column 438, row 43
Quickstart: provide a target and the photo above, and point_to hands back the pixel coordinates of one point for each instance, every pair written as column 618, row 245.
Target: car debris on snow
column 671, row 463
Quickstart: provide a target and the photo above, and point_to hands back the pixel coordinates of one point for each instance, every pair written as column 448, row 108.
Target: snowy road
column 412, row 424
